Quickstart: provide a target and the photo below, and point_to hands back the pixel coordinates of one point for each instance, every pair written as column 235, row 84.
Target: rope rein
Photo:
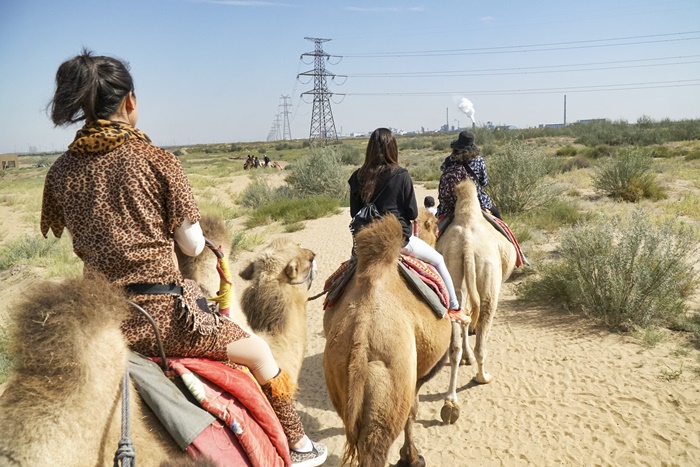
column 125, row 455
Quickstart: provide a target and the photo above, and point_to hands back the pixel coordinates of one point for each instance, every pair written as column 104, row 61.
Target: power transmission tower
column 322, row 124
column 286, row 131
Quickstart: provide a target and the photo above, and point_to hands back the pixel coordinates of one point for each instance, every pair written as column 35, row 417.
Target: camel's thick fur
column 382, row 343
column 275, row 302
column 274, row 305
column 479, row 259
column 62, row 406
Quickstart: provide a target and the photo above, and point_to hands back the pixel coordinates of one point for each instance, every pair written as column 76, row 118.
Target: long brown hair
column 466, row 154
column 382, row 154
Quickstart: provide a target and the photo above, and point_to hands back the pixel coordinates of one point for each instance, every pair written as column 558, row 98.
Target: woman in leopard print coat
column 124, row 202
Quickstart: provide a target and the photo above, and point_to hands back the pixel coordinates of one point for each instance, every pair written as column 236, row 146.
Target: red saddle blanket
column 419, row 271
column 249, row 432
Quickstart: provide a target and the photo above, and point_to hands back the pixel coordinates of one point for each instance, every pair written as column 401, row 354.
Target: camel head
column 427, row 226
column 467, row 204
column 281, row 277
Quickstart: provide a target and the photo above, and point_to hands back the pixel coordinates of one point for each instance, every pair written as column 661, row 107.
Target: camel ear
column 292, row 269
column 247, row 273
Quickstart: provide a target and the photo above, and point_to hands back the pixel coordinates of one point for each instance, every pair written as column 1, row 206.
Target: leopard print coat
column 121, row 206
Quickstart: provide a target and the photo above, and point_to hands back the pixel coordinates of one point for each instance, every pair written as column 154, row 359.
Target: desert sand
column 566, row 390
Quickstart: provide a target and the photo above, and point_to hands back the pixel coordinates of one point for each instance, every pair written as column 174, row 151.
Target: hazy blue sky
column 214, row 71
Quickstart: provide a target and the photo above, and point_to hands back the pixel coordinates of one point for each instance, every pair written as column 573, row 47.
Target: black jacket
column 398, row 197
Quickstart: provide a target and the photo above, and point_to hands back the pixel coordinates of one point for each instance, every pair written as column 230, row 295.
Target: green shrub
column 245, row 241
column 577, row 162
column 692, row 156
column 558, row 213
column 319, row 173
column 622, row 271
column 517, row 178
column 602, row 150
column 350, row 155
column 566, row 151
column 661, row 152
column 628, row 176
column 257, row 193
column 441, row 145
column 6, row 361
column 290, row 211
column 426, row 170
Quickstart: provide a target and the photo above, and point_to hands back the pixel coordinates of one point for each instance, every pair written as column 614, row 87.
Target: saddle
column 421, row 276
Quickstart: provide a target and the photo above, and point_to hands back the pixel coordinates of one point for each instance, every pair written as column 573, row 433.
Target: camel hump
column 380, row 242
column 64, row 315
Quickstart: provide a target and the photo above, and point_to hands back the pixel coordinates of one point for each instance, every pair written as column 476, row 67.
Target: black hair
column 89, row 87
column 429, row 202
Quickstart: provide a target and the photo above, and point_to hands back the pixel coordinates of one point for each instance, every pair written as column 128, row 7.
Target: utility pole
column 322, row 124
column 286, row 131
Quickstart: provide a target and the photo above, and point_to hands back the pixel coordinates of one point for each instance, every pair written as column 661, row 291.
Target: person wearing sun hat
column 465, row 161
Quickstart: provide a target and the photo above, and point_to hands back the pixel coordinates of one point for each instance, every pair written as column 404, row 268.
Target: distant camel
column 479, row 259
column 382, row 344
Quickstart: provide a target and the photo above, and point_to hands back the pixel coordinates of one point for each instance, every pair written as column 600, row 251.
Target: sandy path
column 566, row 391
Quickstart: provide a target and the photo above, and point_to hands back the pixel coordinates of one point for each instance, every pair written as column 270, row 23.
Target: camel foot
column 420, row 462
column 483, row 378
column 472, row 332
column 449, row 412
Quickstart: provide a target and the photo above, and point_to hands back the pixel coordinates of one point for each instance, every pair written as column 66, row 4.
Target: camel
column 62, row 406
column 274, row 305
column 479, row 259
column 382, row 344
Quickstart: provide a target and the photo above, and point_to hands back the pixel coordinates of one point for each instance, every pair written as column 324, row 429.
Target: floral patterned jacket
column 453, row 172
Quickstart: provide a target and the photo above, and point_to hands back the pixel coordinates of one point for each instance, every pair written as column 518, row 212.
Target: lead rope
column 125, row 455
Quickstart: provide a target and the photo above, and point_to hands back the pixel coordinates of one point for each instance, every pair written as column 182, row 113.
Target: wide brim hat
column 464, row 140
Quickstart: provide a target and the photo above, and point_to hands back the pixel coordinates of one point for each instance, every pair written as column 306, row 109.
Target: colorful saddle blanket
column 422, row 276
column 222, row 417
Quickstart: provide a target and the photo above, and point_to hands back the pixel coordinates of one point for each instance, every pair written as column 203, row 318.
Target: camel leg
column 467, row 355
column 482, row 333
column 450, row 409
column 408, row 453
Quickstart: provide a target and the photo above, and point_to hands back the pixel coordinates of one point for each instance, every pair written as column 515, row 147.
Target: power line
column 504, row 92
column 322, row 124
column 593, row 43
column 526, row 70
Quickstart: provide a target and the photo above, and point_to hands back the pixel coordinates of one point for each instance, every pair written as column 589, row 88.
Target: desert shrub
column 692, row 156
column 245, row 241
column 517, row 178
column 6, row 361
column 293, row 210
column 628, row 176
column 441, row 144
column 257, row 193
column 426, row 170
column 566, row 151
column 622, row 271
column 180, row 152
column 574, row 163
column 602, row 150
column 25, row 249
column 413, row 142
column 560, row 212
column 319, row 173
column 350, row 155
column 661, row 152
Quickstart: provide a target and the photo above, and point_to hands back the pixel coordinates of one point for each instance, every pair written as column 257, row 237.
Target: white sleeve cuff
column 189, row 238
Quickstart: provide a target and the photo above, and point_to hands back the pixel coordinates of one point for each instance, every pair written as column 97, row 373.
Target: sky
column 215, row 71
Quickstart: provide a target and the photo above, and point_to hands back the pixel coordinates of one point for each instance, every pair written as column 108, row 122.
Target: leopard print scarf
column 104, row 136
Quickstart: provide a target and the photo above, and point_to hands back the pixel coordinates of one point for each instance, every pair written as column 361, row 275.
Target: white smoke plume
column 466, row 106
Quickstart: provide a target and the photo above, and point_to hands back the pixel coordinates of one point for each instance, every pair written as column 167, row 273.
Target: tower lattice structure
column 322, row 124
column 286, row 131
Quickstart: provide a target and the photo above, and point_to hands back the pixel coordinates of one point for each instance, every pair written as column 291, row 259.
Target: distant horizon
column 215, row 71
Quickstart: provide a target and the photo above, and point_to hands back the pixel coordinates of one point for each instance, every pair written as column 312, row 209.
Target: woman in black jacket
column 383, row 182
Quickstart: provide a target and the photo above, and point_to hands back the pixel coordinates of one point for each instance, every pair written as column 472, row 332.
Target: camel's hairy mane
column 54, row 325
column 467, row 204
column 268, row 275
column 379, row 243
